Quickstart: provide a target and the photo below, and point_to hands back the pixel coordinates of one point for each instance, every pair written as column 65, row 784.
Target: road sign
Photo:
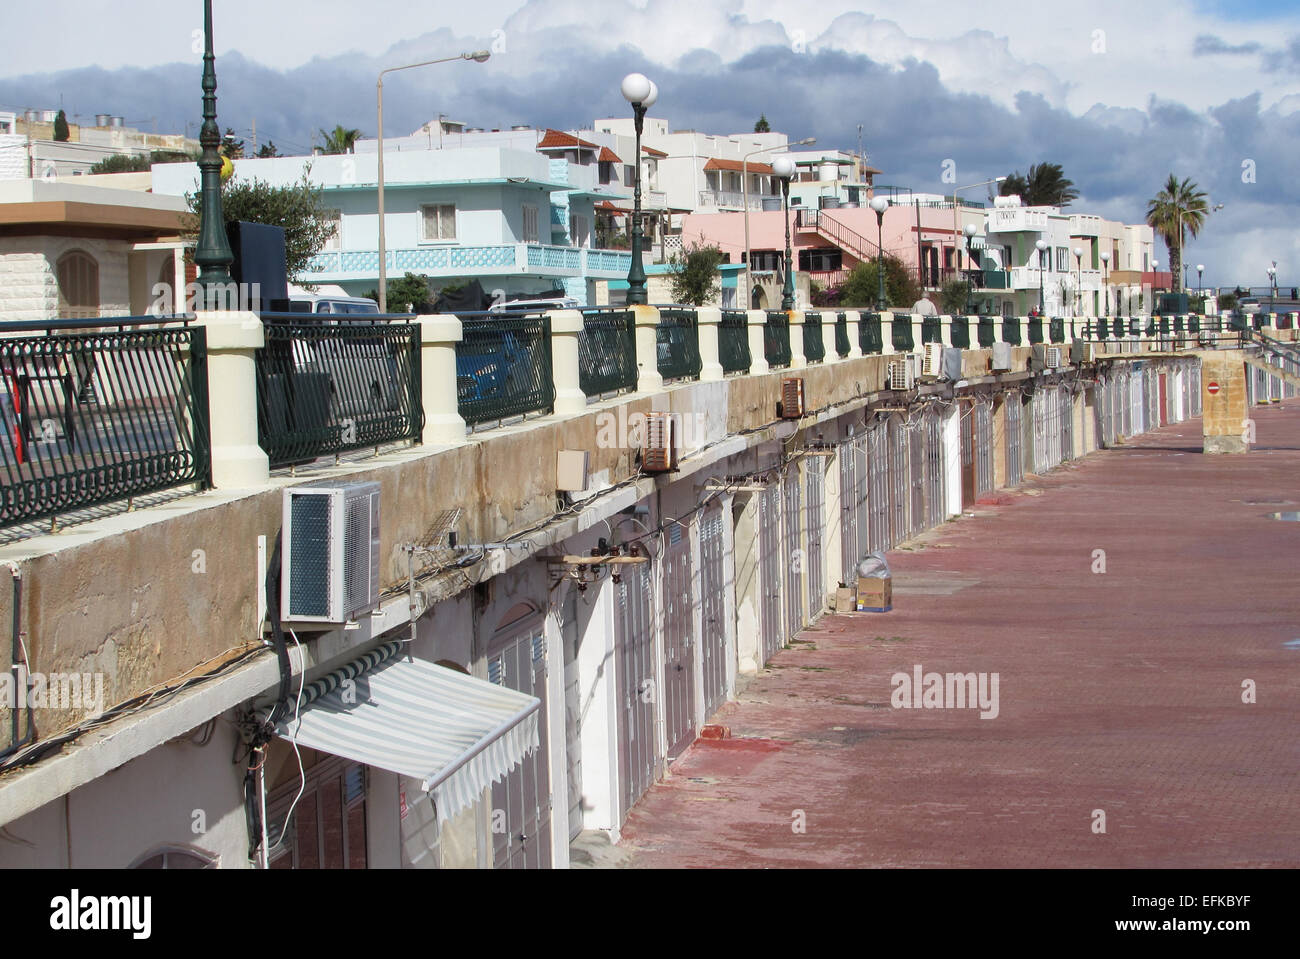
column 1212, row 388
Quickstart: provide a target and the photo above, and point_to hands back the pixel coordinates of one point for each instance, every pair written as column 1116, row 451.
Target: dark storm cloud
column 1209, row 45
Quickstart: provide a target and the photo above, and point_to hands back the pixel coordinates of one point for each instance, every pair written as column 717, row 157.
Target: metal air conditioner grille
column 356, row 554
column 659, row 455
column 899, row 378
column 309, row 587
column 792, row 398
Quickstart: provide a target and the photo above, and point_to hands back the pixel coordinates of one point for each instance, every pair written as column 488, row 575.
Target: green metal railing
column 984, row 332
column 89, row 415
column 1035, row 329
column 677, row 340
column 326, row 388
column 776, row 338
column 503, row 368
column 870, row 335
column 842, row 345
column 607, row 352
column 959, row 332
column 1056, row 329
column 733, row 342
column 814, row 345
column 931, row 329
column 1118, row 327
column 1194, row 324
column 901, row 334
column 1011, row 330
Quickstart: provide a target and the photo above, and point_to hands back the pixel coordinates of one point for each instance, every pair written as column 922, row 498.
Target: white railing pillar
column 566, row 325
column 233, row 339
column 757, row 346
column 442, row 420
column 854, row 319
column 708, row 320
column 830, row 320
column 794, row 320
column 649, row 379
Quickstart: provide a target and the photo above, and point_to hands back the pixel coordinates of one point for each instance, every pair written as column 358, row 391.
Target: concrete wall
column 29, row 289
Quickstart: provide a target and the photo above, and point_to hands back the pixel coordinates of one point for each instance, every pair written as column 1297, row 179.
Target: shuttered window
column 78, row 278
column 439, row 221
column 530, row 223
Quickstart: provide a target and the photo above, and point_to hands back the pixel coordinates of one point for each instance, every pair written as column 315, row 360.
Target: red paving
column 1118, row 691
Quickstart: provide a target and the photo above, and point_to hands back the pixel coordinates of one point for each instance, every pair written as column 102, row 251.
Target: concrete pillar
column 709, row 320
column 757, row 350
column 565, row 327
column 797, row 357
column 917, row 321
column 829, row 322
column 854, row 319
column 442, row 420
column 234, row 338
column 886, row 333
column 1225, row 411
column 649, row 379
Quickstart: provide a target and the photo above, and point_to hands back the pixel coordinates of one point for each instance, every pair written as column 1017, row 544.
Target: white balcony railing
column 729, row 198
column 500, row 259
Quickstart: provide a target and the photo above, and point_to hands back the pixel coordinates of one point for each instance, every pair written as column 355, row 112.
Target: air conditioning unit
column 1081, row 351
column 329, row 570
column 791, row 398
column 659, row 452
column 1001, row 362
column 932, row 361
column 1052, row 358
column 902, row 373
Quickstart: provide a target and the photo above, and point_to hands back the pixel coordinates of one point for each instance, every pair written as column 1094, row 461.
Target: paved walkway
column 1119, row 691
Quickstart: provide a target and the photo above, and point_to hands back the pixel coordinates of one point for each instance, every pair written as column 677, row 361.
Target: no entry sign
column 1212, row 388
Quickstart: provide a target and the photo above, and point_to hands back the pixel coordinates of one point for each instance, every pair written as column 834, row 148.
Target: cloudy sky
column 1120, row 92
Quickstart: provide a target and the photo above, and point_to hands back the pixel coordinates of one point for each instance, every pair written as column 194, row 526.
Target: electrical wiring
column 302, row 772
column 136, row 704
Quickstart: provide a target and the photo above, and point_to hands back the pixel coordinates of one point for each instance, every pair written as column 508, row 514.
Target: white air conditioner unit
column 902, row 373
column 329, row 570
column 1001, row 362
column 1052, row 358
column 932, row 361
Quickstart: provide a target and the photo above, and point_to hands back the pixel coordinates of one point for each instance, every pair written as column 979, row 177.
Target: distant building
column 28, row 149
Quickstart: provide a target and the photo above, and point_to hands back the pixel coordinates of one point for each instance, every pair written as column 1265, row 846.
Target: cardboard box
column 845, row 600
column 875, row 595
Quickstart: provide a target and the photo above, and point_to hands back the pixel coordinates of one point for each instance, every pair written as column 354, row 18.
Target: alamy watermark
column 33, row 690
column 920, row 690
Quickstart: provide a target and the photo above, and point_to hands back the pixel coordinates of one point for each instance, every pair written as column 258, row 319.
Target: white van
column 333, row 300
column 535, row 306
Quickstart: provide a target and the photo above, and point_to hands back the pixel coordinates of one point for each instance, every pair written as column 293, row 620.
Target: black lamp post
column 1272, row 285
column 880, row 205
column 783, row 167
column 970, row 232
column 212, row 253
column 1105, row 286
column 641, row 92
column 1040, row 246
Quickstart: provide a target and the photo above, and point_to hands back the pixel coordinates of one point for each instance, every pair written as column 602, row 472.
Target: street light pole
column 1078, row 280
column 955, row 191
column 880, row 205
column 1272, row 282
column 212, row 252
column 744, row 192
column 641, row 92
column 1040, row 246
column 783, row 167
column 479, row 56
column 1105, row 285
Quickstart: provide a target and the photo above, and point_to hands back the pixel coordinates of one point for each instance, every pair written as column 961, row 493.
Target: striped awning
column 454, row 733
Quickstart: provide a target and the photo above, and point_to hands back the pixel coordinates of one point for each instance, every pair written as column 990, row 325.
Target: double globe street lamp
column 1105, row 286
column 1041, row 247
column 642, row 93
column 783, row 167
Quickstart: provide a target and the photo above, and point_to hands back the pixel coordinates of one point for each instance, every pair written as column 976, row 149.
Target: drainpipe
column 16, row 647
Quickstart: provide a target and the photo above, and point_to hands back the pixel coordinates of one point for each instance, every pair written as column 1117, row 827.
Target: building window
column 438, row 221
column 1062, row 259
column 820, row 260
column 328, row 826
column 581, row 232
column 333, row 219
column 530, row 223
column 765, row 260
column 78, row 277
column 176, row 857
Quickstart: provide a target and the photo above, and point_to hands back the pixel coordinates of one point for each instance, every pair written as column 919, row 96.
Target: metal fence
column 677, row 340
column 1035, row 329
column 733, row 342
column 503, row 368
column 984, row 332
column 959, row 332
column 901, row 334
column 776, row 338
column 870, row 338
column 814, row 345
column 90, row 416
column 325, row 388
column 842, row 345
column 607, row 353
column 1056, row 329
column 1011, row 330
column 931, row 329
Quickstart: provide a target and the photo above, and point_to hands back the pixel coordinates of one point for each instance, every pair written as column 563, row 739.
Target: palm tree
column 1178, row 209
column 1045, row 185
column 340, row 140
